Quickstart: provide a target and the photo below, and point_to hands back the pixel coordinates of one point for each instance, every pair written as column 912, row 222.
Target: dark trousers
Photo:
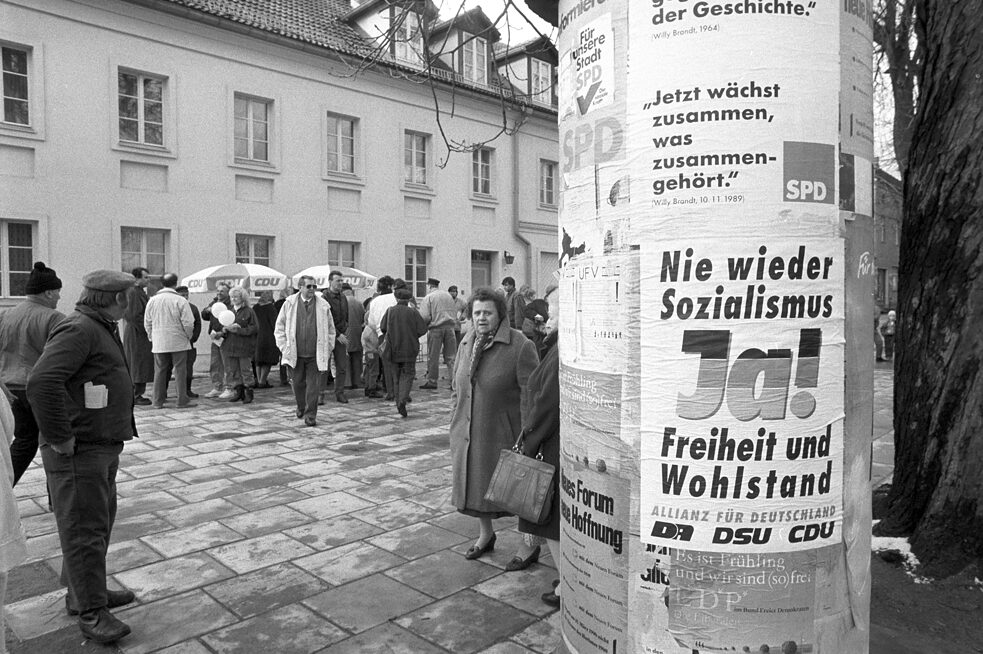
column 139, row 389
column 440, row 338
column 341, row 366
column 192, row 357
column 83, row 495
column 354, row 369
column 403, row 374
column 371, row 374
column 888, row 346
column 25, row 443
column 388, row 376
column 307, row 383
column 164, row 363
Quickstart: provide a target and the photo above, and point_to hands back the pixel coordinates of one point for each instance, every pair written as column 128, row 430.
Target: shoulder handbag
column 522, row 485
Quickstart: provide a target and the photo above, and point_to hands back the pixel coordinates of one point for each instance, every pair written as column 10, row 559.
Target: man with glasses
column 305, row 334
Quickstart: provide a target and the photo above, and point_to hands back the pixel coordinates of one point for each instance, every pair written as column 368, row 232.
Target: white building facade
column 176, row 135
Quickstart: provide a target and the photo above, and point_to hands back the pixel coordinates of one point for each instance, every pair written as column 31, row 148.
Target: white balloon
column 217, row 309
column 226, row 318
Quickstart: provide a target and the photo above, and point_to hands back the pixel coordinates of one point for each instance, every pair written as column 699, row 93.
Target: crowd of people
column 71, row 385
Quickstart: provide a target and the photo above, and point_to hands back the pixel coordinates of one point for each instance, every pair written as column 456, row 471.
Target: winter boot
column 247, row 395
column 238, row 393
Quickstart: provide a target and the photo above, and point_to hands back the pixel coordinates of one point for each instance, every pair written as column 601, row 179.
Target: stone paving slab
column 241, row 530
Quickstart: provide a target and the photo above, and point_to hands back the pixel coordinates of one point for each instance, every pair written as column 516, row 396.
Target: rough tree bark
column 937, row 494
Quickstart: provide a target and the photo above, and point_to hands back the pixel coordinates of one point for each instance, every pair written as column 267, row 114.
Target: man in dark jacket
column 339, row 312
column 24, row 330
column 139, row 355
column 403, row 326
column 195, row 333
column 356, row 322
column 82, row 395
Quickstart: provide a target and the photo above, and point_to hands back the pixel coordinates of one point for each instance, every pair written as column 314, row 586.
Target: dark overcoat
column 486, row 415
column 541, row 429
column 136, row 343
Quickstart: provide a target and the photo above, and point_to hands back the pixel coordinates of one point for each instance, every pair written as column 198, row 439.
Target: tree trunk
column 937, row 494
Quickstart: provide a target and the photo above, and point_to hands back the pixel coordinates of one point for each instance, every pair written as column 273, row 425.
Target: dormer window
column 475, row 60
column 408, row 38
column 541, row 81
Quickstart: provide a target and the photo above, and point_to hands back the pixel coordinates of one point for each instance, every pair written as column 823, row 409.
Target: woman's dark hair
column 486, row 294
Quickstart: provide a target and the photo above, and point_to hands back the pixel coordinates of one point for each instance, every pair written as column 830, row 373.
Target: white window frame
column 6, row 91
column 540, row 80
column 407, row 37
column 482, row 172
column 411, row 268
column 34, row 128
column 251, row 241
column 414, row 144
column 252, row 102
column 5, row 247
column 142, row 105
column 335, row 254
column 474, row 59
column 547, row 182
column 144, row 261
column 334, row 141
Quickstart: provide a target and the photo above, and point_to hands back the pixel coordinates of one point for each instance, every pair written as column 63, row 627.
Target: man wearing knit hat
column 24, row 330
column 82, row 395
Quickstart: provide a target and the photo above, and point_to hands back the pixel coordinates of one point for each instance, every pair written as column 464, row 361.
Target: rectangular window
column 16, row 257
column 541, row 81
column 254, row 249
column 416, row 270
column 880, row 293
column 476, row 60
column 141, row 108
column 481, row 171
column 14, row 86
column 547, row 182
column 145, row 248
column 415, row 158
column 342, row 253
column 341, row 144
column 252, row 128
column 407, row 37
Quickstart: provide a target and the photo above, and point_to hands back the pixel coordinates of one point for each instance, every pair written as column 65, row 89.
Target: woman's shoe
column 476, row 551
column 237, row 393
column 521, row 564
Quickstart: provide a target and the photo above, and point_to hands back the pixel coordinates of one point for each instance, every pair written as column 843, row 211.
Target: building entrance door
column 481, row 274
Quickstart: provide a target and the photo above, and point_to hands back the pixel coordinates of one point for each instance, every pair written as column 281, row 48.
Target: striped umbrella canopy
column 251, row 276
column 359, row 279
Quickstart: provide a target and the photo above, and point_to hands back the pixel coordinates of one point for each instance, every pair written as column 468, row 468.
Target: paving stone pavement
column 240, row 530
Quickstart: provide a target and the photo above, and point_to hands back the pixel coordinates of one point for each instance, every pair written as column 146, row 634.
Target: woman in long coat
column 239, row 347
column 267, row 354
column 492, row 367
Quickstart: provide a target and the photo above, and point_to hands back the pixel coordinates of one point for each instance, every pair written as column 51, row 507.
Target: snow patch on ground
column 909, row 562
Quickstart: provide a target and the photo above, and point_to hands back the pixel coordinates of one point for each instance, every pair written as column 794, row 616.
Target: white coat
column 169, row 322
column 285, row 331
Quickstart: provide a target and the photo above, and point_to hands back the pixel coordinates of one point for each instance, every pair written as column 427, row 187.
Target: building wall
column 80, row 185
column 887, row 239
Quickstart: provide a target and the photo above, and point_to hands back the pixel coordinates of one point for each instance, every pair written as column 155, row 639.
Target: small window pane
column 155, row 263
column 130, row 260
column 128, row 107
column 155, row 241
column 19, row 235
column 241, row 128
column 18, row 283
column 242, row 148
column 15, row 86
column 21, row 259
column 131, row 240
column 153, row 134
column 127, row 84
column 129, row 130
column 152, row 89
column 15, row 111
column 15, row 61
column 240, row 107
column 259, row 131
column 153, row 112
column 262, row 248
column 260, row 151
column 259, row 111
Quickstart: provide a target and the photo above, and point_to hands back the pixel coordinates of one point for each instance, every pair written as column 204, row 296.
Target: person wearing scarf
column 490, row 374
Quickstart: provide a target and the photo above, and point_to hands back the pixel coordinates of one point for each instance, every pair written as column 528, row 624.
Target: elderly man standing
column 439, row 311
column 356, row 321
column 139, row 356
column 169, row 323
column 23, row 332
column 305, row 335
column 216, row 369
column 82, row 396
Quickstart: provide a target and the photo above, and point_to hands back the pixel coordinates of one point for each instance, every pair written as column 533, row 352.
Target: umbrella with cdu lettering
column 361, row 282
column 251, row 276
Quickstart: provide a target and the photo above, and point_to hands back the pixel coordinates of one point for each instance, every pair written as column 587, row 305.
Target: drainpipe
column 515, row 201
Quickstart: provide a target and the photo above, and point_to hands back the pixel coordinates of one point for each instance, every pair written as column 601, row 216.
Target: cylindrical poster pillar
column 715, row 350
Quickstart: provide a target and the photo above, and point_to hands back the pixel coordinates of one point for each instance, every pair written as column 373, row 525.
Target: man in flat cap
column 82, row 396
column 24, row 330
column 439, row 311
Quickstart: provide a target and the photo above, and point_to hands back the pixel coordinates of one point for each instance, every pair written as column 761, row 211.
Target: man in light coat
column 169, row 323
column 440, row 313
column 305, row 334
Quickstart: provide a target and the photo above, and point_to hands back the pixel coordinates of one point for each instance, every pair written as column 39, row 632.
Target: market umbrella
column 359, row 279
column 251, row 276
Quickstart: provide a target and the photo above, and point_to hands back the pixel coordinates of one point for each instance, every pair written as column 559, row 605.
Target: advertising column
column 714, row 378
